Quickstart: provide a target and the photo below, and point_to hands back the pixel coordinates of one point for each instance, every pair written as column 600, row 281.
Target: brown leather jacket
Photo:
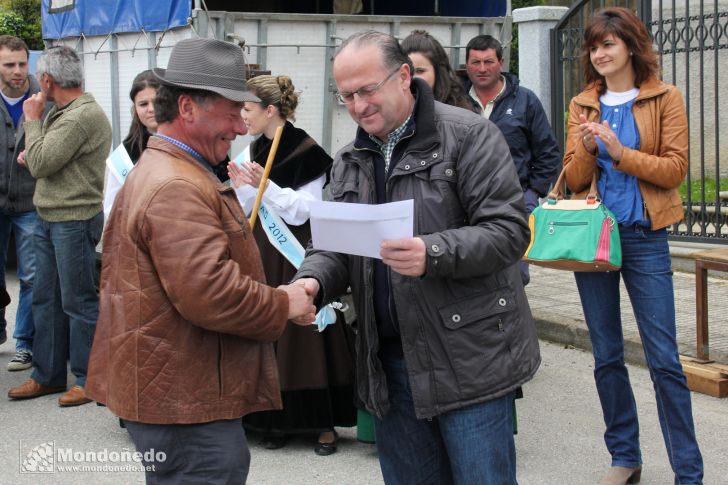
column 661, row 162
column 185, row 319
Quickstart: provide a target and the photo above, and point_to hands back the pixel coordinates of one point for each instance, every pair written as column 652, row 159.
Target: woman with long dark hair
column 631, row 128
column 143, row 92
column 143, row 124
column 432, row 65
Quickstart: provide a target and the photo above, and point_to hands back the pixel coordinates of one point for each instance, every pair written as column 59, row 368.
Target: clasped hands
column 301, row 294
column 591, row 130
column 406, row 256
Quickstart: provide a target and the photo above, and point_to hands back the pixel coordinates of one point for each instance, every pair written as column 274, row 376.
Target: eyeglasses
column 365, row 92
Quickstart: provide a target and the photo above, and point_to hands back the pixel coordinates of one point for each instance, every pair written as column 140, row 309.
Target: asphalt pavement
column 559, row 441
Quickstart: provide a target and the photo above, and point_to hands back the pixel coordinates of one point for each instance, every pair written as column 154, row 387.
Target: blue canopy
column 71, row 18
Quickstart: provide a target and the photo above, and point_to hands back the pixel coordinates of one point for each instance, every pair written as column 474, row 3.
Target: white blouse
column 111, row 188
column 291, row 205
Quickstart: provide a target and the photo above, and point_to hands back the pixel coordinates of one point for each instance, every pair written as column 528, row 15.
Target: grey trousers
column 211, row 453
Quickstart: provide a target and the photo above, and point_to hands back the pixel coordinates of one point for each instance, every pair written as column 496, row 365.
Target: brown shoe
column 75, row 396
column 31, row 388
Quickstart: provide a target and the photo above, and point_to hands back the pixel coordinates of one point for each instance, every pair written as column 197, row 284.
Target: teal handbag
column 574, row 235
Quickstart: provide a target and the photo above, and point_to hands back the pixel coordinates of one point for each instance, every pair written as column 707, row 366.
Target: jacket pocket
column 478, row 331
column 438, row 204
column 473, row 309
column 345, row 192
column 236, row 223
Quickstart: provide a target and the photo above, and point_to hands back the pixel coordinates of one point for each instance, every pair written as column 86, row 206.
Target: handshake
column 301, row 294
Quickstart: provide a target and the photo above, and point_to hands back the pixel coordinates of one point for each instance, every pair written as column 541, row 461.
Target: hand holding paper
column 359, row 229
column 405, row 256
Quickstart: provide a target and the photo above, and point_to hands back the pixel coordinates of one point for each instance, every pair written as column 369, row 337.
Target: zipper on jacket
column 390, row 303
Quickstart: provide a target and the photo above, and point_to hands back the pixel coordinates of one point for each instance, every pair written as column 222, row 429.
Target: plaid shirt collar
column 188, row 149
column 387, row 148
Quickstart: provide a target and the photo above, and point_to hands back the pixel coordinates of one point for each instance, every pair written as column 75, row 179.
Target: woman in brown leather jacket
column 632, row 129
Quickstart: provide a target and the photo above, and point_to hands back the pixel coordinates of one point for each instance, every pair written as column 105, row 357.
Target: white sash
column 119, row 163
column 281, row 237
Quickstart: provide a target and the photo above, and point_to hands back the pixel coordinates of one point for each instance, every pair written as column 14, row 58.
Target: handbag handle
column 559, row 189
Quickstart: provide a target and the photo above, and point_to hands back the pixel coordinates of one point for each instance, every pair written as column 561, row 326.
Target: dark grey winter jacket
column 16, row 183
column 466, row 328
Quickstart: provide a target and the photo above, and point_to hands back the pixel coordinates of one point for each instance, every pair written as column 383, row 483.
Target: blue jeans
column 65, row 301
column 471, row 445
column 647, row 276
column 23, row 224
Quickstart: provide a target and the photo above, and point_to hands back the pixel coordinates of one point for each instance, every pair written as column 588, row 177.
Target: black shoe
column 21, row 361
column 326, row 449
column 273, row 442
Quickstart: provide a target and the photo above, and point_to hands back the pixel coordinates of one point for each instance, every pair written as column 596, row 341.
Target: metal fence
column 691, row 38
column 298, row 45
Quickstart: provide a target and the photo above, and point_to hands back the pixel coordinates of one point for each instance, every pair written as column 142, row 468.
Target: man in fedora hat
column 183, row 346
column 65, row 152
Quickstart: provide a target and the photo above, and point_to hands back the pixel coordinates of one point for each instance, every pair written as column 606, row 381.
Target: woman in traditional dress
column 315, row 369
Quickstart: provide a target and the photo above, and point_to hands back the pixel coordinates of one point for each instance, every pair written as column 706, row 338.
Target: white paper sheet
column 359, row 229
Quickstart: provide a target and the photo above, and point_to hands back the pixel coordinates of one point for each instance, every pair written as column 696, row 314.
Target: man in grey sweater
column 66, row 154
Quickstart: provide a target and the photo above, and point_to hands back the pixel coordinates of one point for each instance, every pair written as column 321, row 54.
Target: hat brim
column 231, row 94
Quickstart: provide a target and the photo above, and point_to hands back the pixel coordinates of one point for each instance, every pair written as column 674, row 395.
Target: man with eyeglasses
column 445, row 331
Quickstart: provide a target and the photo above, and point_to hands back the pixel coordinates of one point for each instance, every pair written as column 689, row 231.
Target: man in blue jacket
column 519, row 115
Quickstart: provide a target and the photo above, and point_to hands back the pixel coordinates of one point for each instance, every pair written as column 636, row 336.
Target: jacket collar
column 649, row 89
column 85, row 98
column 157, row 143
column 512, row 84
column 422, row 132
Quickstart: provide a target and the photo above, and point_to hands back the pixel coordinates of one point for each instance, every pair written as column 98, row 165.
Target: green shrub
column 22, row 18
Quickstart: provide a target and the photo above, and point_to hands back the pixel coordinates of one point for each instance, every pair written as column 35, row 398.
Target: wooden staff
column 266, row 172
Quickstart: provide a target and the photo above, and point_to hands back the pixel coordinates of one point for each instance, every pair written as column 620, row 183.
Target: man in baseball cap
column 183, row 345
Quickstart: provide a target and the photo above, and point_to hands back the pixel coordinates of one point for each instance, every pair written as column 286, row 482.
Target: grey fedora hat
column 209, row 65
